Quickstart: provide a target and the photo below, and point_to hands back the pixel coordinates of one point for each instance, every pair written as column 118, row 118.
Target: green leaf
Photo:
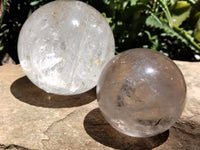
column 4, row 4
column 174, row 32
column 34, row 3
column 5, row 31
column 197, row 31
column 192, row 44
column 154, row 22
column 194, row 4
column 125, row 5
column 108, row 19
column 180, row 12
column 153, row 39
column 163, row 5
column 3, row 25
column 133, row 2
column 1, row 48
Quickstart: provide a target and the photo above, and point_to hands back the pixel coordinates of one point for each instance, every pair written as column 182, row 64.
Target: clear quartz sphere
column 141, row 92
column 63, row 47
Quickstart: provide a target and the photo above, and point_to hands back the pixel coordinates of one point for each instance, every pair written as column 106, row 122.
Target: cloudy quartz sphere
column 64, row 45
column 141, row 92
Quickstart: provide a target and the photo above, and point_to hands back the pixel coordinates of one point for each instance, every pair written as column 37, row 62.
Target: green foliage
column 163, row 5
column 169, row 26
column 164, row 25
column 180, row 12
column 174, row 32
column 197, row 31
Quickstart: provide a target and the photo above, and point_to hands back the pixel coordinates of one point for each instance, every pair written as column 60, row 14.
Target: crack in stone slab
column 57, row 121
column 52, row 125
column 68, row 132
column 187, row 130
column 13, row 147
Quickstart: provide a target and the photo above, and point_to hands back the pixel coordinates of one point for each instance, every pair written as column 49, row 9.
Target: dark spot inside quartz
column 120, row 100
column 125, row 91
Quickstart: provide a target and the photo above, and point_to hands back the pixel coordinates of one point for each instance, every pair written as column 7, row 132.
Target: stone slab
column 33, row 119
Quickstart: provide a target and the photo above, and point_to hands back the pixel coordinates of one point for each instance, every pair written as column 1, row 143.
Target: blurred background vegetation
column 169, row 26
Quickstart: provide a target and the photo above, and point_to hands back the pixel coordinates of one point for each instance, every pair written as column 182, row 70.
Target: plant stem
column 188, row 38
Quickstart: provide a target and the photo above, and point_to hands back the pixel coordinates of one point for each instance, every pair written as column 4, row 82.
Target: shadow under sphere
column 24, row 90
column 98, row 128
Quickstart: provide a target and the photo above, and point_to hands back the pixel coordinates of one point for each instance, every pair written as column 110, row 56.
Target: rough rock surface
column 32, row 119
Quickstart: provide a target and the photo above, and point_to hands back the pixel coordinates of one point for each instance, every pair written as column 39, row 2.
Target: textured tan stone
column 26, row 111
column 33, row 119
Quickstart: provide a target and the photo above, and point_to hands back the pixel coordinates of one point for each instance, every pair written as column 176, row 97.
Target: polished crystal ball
column 63, row 47
column 141, row 92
